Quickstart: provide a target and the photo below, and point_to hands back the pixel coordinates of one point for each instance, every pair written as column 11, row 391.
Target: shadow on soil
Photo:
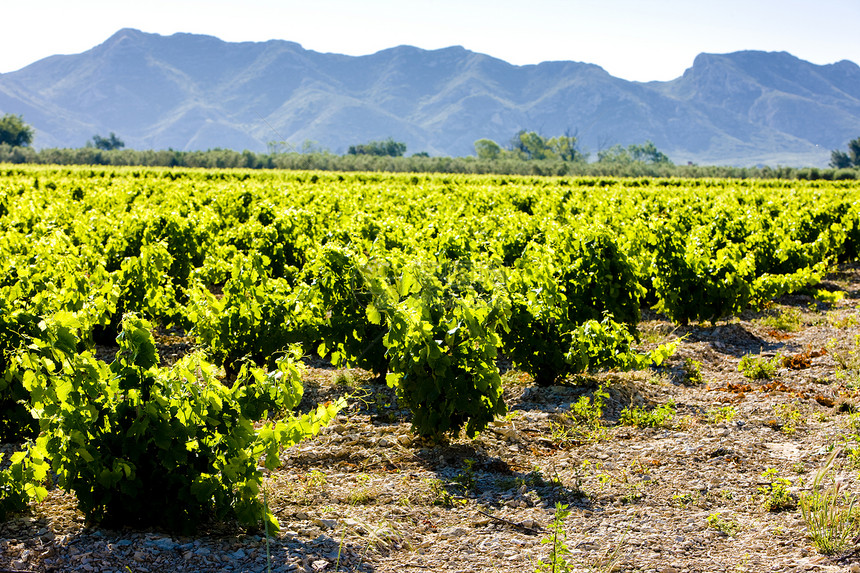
column 25, row 547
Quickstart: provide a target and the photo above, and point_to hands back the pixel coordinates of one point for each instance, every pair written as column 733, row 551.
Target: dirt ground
column 708, row 481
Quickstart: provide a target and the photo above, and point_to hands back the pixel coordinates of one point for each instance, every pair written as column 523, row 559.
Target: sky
column 641, row 40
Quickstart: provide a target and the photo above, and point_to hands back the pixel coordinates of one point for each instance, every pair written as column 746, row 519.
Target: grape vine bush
column 443, row 346
column 145, row 446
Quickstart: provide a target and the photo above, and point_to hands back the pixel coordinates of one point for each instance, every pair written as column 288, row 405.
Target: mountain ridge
column 189, row 91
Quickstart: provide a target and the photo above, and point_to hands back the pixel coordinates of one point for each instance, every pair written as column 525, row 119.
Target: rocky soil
column 708, row 482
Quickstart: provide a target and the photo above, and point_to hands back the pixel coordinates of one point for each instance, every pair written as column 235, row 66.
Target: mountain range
column 192, row 92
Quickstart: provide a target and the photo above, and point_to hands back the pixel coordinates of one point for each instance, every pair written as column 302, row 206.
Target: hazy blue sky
column 633, row 39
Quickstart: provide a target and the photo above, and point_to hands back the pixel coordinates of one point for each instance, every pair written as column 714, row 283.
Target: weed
column 608, row 560
column 759, row 367
column 830, row 514
column 535, row 478
column 578, row 472
column 723, row 414
column 508, row 482
column 788, row 416
column 692, row 371
column 582, row 422
column 604, row 480
column 776, row 496
column 853, row 455
column 558, row 539
column 563, row 435
column 842, row 320
column 725, row 525
column 441, row 496
column 316, row 479
column 683, row 499
column 632, row 489
column 788, row 320
column 742, row 567
column 638, row 467
column 655, row 333
column 312, row 483
column 467, row 479
column 344, row 379
column 847, row 360
column 513, row 415
column 363, row 494
column 659, row 417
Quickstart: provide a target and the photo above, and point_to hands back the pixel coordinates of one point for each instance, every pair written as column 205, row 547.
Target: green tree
column 487, row 149
column 388, row 147
column 648, row 153
column 566, row 148
column 644, row 153
column 841, row 160
column 615, row 154
column 14, row 131
column 530, row 145
column 106, row 143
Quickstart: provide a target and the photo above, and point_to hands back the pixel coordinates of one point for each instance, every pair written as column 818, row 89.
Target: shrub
column 257, row 318
column 144, row 446
column 17, row 330
column 21, row 482
column 561, row 291
column 443, row 344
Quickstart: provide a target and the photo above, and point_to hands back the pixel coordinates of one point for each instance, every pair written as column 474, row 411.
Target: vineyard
column 159, row 328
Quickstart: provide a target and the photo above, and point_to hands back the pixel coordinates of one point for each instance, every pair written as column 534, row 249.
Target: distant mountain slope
column 196, row 92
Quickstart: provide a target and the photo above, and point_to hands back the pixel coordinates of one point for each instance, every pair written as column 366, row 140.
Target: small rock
column 319, row 565
column 325, row 523
column 453, row 532
column 164, row 543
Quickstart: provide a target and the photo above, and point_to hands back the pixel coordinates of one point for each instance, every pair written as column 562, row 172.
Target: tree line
column 527, row 153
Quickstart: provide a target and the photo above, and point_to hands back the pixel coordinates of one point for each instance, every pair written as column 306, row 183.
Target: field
column 411, row 371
